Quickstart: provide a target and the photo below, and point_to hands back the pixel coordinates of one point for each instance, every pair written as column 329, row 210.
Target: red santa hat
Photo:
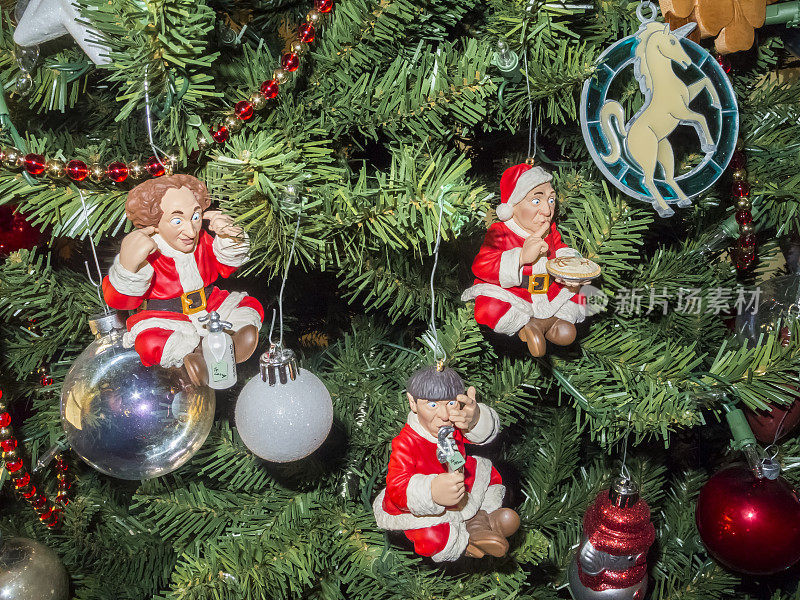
column 515, row 183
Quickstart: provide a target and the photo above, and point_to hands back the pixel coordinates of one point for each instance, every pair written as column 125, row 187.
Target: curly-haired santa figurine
column 166, row 268
column 513, row 292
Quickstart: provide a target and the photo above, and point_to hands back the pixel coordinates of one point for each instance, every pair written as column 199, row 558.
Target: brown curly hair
column 143, row 206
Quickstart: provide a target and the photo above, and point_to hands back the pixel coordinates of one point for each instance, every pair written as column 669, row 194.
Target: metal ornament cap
column 624, row 492
column 278, row 365
column 103, row 323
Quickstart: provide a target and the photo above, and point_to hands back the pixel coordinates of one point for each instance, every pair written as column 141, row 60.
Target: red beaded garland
column 30, row 493
column 244, row 110
column 46, row 515
column 269, row 89
column 741, row 189
column 743, row 217
column 9, row 444
column 22, row 480
column 323, row 6
column 34, row 163
column 306, row 32
column 220, row 134
column 5, row 419
column 290, row 61
column 154, row 166
column 748, row 240
column 77, row 170
column 12, row 466
column 117, row 172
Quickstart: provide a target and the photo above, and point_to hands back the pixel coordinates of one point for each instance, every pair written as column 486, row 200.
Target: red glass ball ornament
column 5, row 419
column 154, row 166
column 306, row 32
column 323, row 6
column 740, row 189
column 269, row 89
column 34, row 164
column 738, row 160
column 743, row 217
column 29, row 493
column 243, row 110
column 220, row 134
column 772, row 425
column 15, row 232
column 22, row 480
column 77, row 170
column 117, row 172
column 12, row 466
column 9, row 444
column 724, row 62
column 290, row 61
column 45, row 516
column 750, row 525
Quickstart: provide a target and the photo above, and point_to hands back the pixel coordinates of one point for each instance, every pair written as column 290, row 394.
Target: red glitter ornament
column 34, row 164
column 323, row 6
column 154, row 166
column 117, row 172
column 290, row 61
column 5, row 419
column 15, row 231
column 743, row 217
column 220, row 134
column 22, row 480
column 740, row 189
column 306, row 32
column 77, row 170
column 269, row 89
column 12, row 466
column 9, row 444
column 750, row 525
column 243, row 110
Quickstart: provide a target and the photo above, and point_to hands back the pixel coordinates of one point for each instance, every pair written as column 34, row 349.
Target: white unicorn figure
column 666, row 106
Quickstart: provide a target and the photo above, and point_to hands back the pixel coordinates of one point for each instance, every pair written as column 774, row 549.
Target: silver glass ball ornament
column 31, row 571
column 128, row 420
column 284, row 413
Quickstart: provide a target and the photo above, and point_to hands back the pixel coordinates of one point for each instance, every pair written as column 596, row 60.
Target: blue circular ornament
column 688, row 101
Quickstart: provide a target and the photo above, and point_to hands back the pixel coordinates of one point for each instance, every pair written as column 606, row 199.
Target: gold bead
column 298, row 47
column 10, row 454
column 232, row 123
column 280, row 75
column 202, row 142
column 3, row 407
column 97, row 172
column 744, row 204
column 740, row 175
column 314, row 16
column 136, row 171
column 13, row 158
column 56, row 168
column 746, row 229
column 257, row 101
column 6, row 432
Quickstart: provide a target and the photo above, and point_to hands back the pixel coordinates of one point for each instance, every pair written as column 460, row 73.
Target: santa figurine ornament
column 611, row 561
column 165, row 270
column 527, row 279
column 446, row 503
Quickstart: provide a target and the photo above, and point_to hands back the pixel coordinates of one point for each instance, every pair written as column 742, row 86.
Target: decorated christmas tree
column 538, row 257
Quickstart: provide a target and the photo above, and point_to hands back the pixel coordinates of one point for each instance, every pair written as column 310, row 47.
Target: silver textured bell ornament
column 284, row 413
column 31, row 571
column 127, row 420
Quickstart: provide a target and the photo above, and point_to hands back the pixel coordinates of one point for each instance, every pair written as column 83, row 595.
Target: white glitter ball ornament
column 284, row 413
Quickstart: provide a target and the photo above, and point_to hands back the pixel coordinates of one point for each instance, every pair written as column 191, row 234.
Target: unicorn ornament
column 637, row 155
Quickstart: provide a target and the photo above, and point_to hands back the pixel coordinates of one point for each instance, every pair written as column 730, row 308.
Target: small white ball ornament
column 283, row 413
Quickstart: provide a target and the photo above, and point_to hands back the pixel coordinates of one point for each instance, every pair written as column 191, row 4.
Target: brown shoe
column 504, row 521
column 482, row 540
column 534, row 338
column 245, row 342
column 562, row 333
column 196, row 368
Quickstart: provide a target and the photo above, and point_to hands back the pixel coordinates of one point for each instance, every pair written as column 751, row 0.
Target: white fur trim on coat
column 510, row 274
column 185, row 265
column 231, row 251
column 487, row 427
column 130, row 283
column 516, row 228
column 457, row 542
column 419, row 497
column 184, row 338
column 539, row 307
column 494, row 497
column 512, row 321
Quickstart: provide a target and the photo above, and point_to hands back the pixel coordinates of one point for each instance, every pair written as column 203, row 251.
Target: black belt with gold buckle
column 188, row 303
column 536, row 284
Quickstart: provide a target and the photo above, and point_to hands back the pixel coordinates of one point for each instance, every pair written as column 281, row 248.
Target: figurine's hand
column 465, row 417
column 136, row 247
column 448, row 489
column 573, row 286
column 534, row 246
column 222, row 224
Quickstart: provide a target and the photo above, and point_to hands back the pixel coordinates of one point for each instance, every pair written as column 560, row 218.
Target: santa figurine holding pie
column 526, row 279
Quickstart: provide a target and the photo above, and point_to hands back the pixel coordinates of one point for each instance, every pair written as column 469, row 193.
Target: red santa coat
column 165, row 337
column 406, row 503
column 501, row 301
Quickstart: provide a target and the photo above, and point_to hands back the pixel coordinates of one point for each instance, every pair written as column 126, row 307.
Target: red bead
column 220, row 135
column 45, row 516
column 748, row 240
column 738, row 160
column 323, row 6
column 39, row 502
column 1, row 393
column 77, row 170
column 5, row 419
column 8, row 445
column 22, row 480
column 62, row 498
column 154, row 166
column 29, row 493
column 34, row 164
column 117, row 172
column 12, row 466
column 750, row 525
column 243, row 110
column 46, row 380
column 724, row 62
column 54, row 523
column 306, row 32
column 743, row 217
column 62, row 466
column 740, row 189
column 290, row 61
column 269, row 89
